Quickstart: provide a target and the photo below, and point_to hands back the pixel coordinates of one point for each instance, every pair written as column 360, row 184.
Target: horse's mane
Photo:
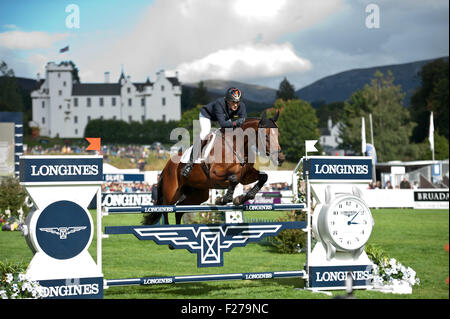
column 260, row 122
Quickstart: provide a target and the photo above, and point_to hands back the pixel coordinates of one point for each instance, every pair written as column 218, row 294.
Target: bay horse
column 220, row 172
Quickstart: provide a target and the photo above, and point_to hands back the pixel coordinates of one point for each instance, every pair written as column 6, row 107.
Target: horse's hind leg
column 233, row 179
column 262, row 179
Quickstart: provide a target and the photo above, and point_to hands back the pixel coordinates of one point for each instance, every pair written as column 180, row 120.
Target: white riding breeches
column 205, row 126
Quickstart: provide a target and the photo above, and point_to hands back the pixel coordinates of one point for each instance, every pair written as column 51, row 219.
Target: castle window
column 59, row 92
column 113, row 101
column 43, row 104
column 143, row 118
column 88, row 102
column 64, row 83
column 163, row 101
column 76, row 131
column 88, row 118
column 130, row 102
column 164, row 118
column 143, row 101
column 75, row 101
column 101, row 101
column 59, row 75
column 162, row 88
column 130, row 118
column 43, row 120
column 128, row 90
column 75, row 119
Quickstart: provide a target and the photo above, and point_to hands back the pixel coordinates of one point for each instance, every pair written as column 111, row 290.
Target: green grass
column 414, row 237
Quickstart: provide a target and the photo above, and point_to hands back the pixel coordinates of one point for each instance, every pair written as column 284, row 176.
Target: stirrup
column 186, row 171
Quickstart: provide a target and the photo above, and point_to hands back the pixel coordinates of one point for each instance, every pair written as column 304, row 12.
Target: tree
column 75, row 75
column 392, row 126
column 10, row 95
column 110, row 131
column 286, row 91
column 333, row 110
column 297, row 122
column 200, row 95
column 431, row 96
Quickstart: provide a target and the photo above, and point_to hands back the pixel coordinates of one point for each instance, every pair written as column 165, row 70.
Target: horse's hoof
column 218, row 201
column 171, row 247
column 239, row 200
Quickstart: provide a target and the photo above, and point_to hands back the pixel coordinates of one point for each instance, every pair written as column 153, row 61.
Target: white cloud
column 245, row 61
column 189, row 33
column 21, row 40
column 9, row 26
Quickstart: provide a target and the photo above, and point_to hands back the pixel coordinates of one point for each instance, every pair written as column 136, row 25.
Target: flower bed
column 389, row 275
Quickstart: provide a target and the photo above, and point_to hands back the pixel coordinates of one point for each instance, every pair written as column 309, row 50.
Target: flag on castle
column 65, row 49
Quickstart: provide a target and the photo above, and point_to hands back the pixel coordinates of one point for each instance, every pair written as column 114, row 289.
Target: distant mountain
column 255, row 93
column 256, row 97
column 341, row 86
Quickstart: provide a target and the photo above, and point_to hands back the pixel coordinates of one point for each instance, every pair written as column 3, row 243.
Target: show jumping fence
column 209, row 242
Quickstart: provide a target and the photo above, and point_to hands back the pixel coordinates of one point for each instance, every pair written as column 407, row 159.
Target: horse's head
column 268, row 135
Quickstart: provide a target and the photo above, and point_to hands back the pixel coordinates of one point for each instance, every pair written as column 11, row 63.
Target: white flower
column 9, row 278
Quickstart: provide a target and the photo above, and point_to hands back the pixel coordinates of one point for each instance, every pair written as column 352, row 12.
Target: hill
column 339, row 87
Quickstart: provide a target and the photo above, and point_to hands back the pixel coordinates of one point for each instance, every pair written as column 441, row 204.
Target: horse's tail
column 153, row 218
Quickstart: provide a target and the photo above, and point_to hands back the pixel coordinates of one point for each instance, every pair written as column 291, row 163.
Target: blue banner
column 124, row 178
column 61, row 169
column 336, row 276
column 339, row 168
column 74, row 288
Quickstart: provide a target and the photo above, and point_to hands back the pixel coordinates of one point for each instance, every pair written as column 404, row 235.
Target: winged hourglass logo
column 209, row 242
column 62, row 232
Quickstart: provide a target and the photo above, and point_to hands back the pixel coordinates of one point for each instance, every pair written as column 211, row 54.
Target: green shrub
column 12, row 198
column 290, row 241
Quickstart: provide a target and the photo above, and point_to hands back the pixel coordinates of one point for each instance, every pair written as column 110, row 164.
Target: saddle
column 206, row 147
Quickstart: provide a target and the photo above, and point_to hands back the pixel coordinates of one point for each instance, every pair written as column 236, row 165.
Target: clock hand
column 354, row 216
column 351, row 220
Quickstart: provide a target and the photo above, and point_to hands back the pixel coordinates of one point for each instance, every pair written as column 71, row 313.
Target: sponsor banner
column 266, row 198
column 336, row 276
column 73, row 288
column 431, row 199
column 431, row 196
column 61, row 169
column 336, row 169
column 126, row 199
column 124, row 178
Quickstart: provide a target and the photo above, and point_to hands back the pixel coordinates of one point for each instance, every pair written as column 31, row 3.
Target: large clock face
column 349, row 223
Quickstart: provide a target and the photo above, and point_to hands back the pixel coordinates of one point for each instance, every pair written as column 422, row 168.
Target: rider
column 229, row 112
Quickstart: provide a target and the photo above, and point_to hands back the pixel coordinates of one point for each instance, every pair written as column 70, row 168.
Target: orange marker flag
column 95, row 144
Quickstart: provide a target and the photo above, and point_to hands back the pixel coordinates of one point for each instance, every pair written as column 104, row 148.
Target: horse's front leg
column 262, row 179
column 234, row 180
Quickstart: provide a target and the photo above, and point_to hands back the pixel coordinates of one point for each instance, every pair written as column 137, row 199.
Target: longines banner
column 342, row 168
column 126, row 199
column 70, row 169
column 60, row 228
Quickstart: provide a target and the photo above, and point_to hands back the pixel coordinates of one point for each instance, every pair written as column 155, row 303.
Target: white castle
column 63, row 107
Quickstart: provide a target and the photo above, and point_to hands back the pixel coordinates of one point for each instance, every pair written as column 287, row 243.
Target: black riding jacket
column 219, row 111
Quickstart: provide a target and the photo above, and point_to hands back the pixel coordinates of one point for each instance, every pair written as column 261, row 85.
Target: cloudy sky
column 253, row 41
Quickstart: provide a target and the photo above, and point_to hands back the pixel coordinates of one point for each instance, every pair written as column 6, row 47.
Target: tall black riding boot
column 187, row 169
